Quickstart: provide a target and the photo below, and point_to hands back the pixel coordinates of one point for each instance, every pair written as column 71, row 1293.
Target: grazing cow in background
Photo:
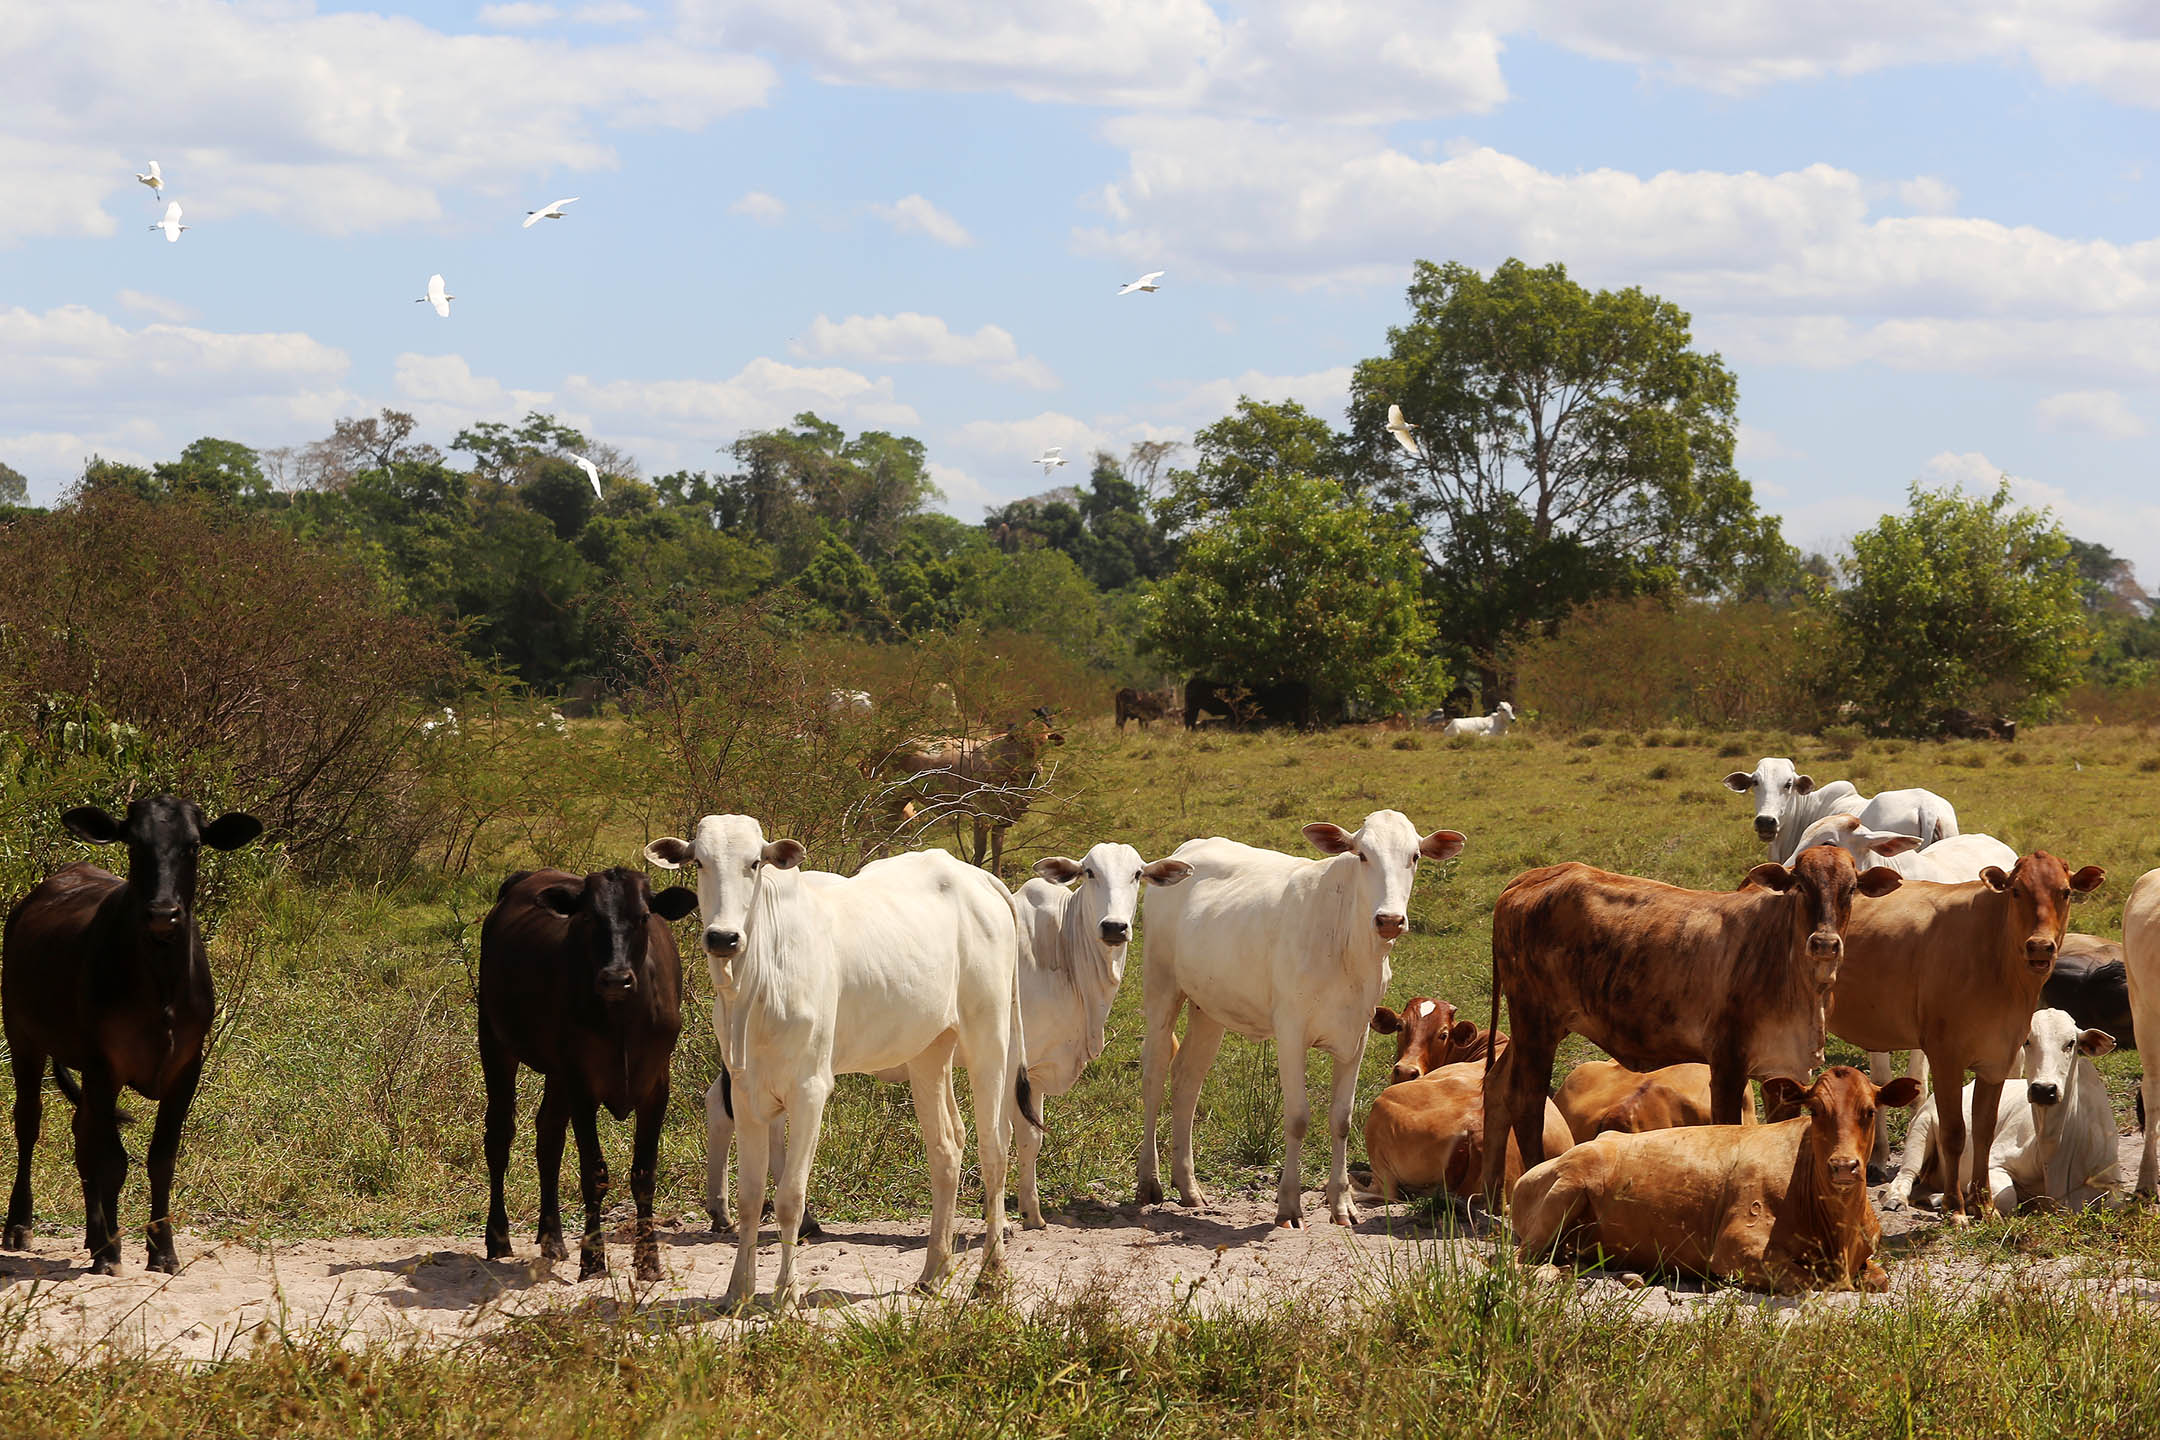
column 909, row 963
column 2054, row 1136
column 1959, row 724
column 1655, row 975
column 2141, row 965
column 983, row 784
column 1288, row 702
column 1779, row 1207
column 1602, row 1095
column 1956, row 971
column 1427, row 1136
column 2089, row 982
column 1072, row 960
column 1276, row 947
column 1787, row 803
column 1428, row 1036
column 110, row 977
column 1142, row 705
column 1484, row 727
column 580, row 980
column 849, row 703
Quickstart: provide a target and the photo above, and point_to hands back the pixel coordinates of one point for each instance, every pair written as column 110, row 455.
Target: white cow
column 2054, row 1137
column 1952, row 861
column 1072, row 960
column 1282, row 948
column 2141, row 967
column 1787, row 802
column 1482, row 726
column 908, row 963
column 850, row 703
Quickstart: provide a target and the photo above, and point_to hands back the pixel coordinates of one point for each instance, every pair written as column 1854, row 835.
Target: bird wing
column 592, row 473
column 436, row 288
column 530, row 216
column 1408, row 442
column 172, row 211
column 1053, row 449
column 441, row 304
column 560, row 203
column 1148, row 280
column 1394, row 416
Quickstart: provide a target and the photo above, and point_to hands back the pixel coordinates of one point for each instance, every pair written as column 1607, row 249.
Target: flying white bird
column 552, row 212
column 1400, row 429
column 592, row 473
column 1145, row 282
column 155, row 179
column 436, row 295
column 171, row 223
column 1051, row 458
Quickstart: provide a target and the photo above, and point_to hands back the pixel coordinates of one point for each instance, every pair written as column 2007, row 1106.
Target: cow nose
column 1826, row 945
column 1116, row 932
column 1766, row 826
column 1389, row 925
column 2042, row 1094
column 1844, row 1169
column 723, row 942
column 1403, row 1070
column 164, row 919
column 615, row 982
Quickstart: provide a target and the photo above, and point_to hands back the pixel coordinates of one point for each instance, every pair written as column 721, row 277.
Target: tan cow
column 1780, row 1207
column 1955, row 971
column 1655, row 975
column 1427, row 1135
column 1601, row 1096
column 1428, row 1036
column 983, row 783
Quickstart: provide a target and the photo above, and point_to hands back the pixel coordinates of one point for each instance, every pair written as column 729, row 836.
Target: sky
column 1924, row 236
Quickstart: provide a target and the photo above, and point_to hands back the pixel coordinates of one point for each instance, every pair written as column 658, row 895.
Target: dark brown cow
column 1143, row 705
column 1655, row 975
column 1428, row 1036
column 1955, row 971
column 109, row 977
column 1601, row 1096
column 580, row 980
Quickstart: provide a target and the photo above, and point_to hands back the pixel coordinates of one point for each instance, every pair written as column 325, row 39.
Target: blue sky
column 1924, row 236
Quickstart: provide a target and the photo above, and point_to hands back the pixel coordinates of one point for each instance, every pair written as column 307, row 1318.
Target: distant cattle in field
column 1788, row 802
column 1143, row 705
column 1427, row 1136
column 1602, row 1096
column 980, row 786
column 109, row 977
column 580, row 980
column 1483, row 727
column 1428, row 1036
column 2089, row 982
column 1960, row 724
column 852, row 704
column 1286, row 703
column 1780, row 1207
column 1948, row 861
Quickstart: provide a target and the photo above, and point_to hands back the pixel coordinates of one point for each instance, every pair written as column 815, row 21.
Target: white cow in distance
column 851, row 703
column 1952, row 861
column 1482, row 726
column 1283, row 948
column 910, row 963
column 2054, row 1137
column 1787, row 803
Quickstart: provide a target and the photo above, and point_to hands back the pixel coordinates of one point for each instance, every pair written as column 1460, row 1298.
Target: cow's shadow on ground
column 457, row 1280
column 14, row 1269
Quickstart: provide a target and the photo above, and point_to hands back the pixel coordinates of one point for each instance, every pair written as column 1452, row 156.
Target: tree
column 1300, row 583
column 1105, row 528
column 1237, row 452
column 14, row 489
column 1574, row 446
column 1958, row 602
column 796, row 485
column 215, row 469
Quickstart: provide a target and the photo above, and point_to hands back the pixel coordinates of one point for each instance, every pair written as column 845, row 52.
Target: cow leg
column 1027, row 1149
column 101, row 1161
column 1878, row 1069
column 936, row 1112
column 997, row 849
column 29, row 1071
column 592, row 1184
column 753, row 1141
column 1499, row 1116
column 719, row 1134
column 499, row 1071
column 1342, row 1096
column 644, row 1173
column 1203, row 1038
column 1158, row 1047
column 806, row 1113
column 548, row 1129
column 1728, row 1092
column 1950, row 1141
column 1296, row 1119
column 1987, row 1097
column 1532, row 1088
column 994, row 1118
column 164, row 1150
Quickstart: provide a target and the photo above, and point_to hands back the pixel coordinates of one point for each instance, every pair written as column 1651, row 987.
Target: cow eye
column 1088, row 874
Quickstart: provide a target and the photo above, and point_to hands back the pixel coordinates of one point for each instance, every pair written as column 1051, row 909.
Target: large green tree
column 1572, row 445
column 14, row 489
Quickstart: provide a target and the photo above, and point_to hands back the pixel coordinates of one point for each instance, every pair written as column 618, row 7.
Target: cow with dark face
column 109, row 977
column 580, row 980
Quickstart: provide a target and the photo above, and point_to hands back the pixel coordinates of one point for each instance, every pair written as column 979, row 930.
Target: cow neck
column 1359, row 950
column 1830, row 1218
column 1773, row 959
column 164, row 963
column 767, row 975
column 1091, row 978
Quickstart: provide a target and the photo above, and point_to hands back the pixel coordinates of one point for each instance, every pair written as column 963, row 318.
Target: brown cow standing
column 1428, row 1135
column 580, row 980
column 1142, row 705
column 1780, row 1207
column 979, row 782
column 1955, row 971
column 1428, row 1036
column 1655, row 975
column 109, row 977
column 1602, row 1096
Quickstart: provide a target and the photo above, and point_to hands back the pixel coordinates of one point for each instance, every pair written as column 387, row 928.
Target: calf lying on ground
column 1482, row 727
column 2054, row 1135
column 1427, row 1135
column 580, row 980
column 1602, row 1096
column 1778, row 1207
column 1428, row 1036
column 109, row 977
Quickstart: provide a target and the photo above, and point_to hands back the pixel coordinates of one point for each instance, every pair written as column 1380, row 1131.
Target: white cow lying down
column 1787, row 802
column 2054, row 1135
column 1482, row 726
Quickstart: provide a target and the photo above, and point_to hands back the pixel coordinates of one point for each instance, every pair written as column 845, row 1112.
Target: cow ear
column 562, row 899
column 2088, row 879
column 675, row 902
column 91, row 825
column 2095, row 1042
column 1740, row 780
column 1463, row 1032
column 1330, row 839
column 1803, row 784
column 230, row 832
column 1385, row 1021
column 1898, row 1093
column 1887, row 842
column 1057, row 869
column 1997, row 879
column 786, row 854
column 1783, row 1093
column 1771, row 876
column 1442, row 845
column 1167, row 872
column 1879, row 880
column 670, row 853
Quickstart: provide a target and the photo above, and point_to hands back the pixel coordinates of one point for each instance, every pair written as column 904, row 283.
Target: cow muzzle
column 1766, row 827
column 1846, row 1171
column 2041, row 1093
column 164, row 920
column 1115, row 932
column 1403, row 1072
column 723, row 944
column 2040, row 953
column 615, row 983
column 1826, row 945
column 1389, row 926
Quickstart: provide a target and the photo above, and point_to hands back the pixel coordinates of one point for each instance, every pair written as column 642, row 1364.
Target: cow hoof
column 498, row 1249
column 991, row 1282
column 16, row 1238
column 721, row 1225
column 162, row 1264
column 1957, row 1217
column 1348, row 1222
column 809, row 1229
column 104, row 1267
column 1289, row 1222
column 1033, row 1222
column 590, row 1266
column 1148, row 1192
column 1878, row 1173
column 648, row 1268
column 552, row 1248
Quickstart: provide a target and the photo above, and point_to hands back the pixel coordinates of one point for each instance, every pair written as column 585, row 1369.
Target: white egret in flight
column 550, row 212
column 155, row 179
column 1401, row 429
column 171, row 223
column 1145, row 282
column 592, row 473
column 1051, row 458
column 437, row 296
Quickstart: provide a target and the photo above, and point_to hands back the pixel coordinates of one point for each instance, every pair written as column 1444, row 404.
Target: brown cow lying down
column 1428, row 1135
column 1780, row 1207
column 1600, row 1096
column 1428, row 1036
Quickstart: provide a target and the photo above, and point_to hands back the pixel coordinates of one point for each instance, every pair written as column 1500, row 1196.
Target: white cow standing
column 1787, row 802
column 908, row 963
column 2054, row 1139
column 1282, row 948
column 1482, row 726
column 2141, row 967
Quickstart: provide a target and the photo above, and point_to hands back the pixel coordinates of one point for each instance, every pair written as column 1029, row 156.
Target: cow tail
column 72, row 1088
column 1492, row 1031
column 1023, row 1090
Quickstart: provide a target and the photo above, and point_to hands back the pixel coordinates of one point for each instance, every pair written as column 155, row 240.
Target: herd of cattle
column 1873, row 919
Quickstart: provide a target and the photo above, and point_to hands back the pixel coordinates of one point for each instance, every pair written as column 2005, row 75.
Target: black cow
column 580, row 980
column 109, row 977
column 2088, row 981
column 1288, row 702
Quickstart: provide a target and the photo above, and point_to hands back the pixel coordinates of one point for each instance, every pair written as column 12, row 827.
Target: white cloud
column 2129, row 527
column 762, row 394
column 912, row 339
column 73, row 357
column 1754, row 445
column 1192, row 404
column 964, row 494
column 1928, row 195
column 519, row 15
column 157, row 307
column 615, row 14
column 913, row 214
column 443, row 389
column 2102, row 412
column 761, row 207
